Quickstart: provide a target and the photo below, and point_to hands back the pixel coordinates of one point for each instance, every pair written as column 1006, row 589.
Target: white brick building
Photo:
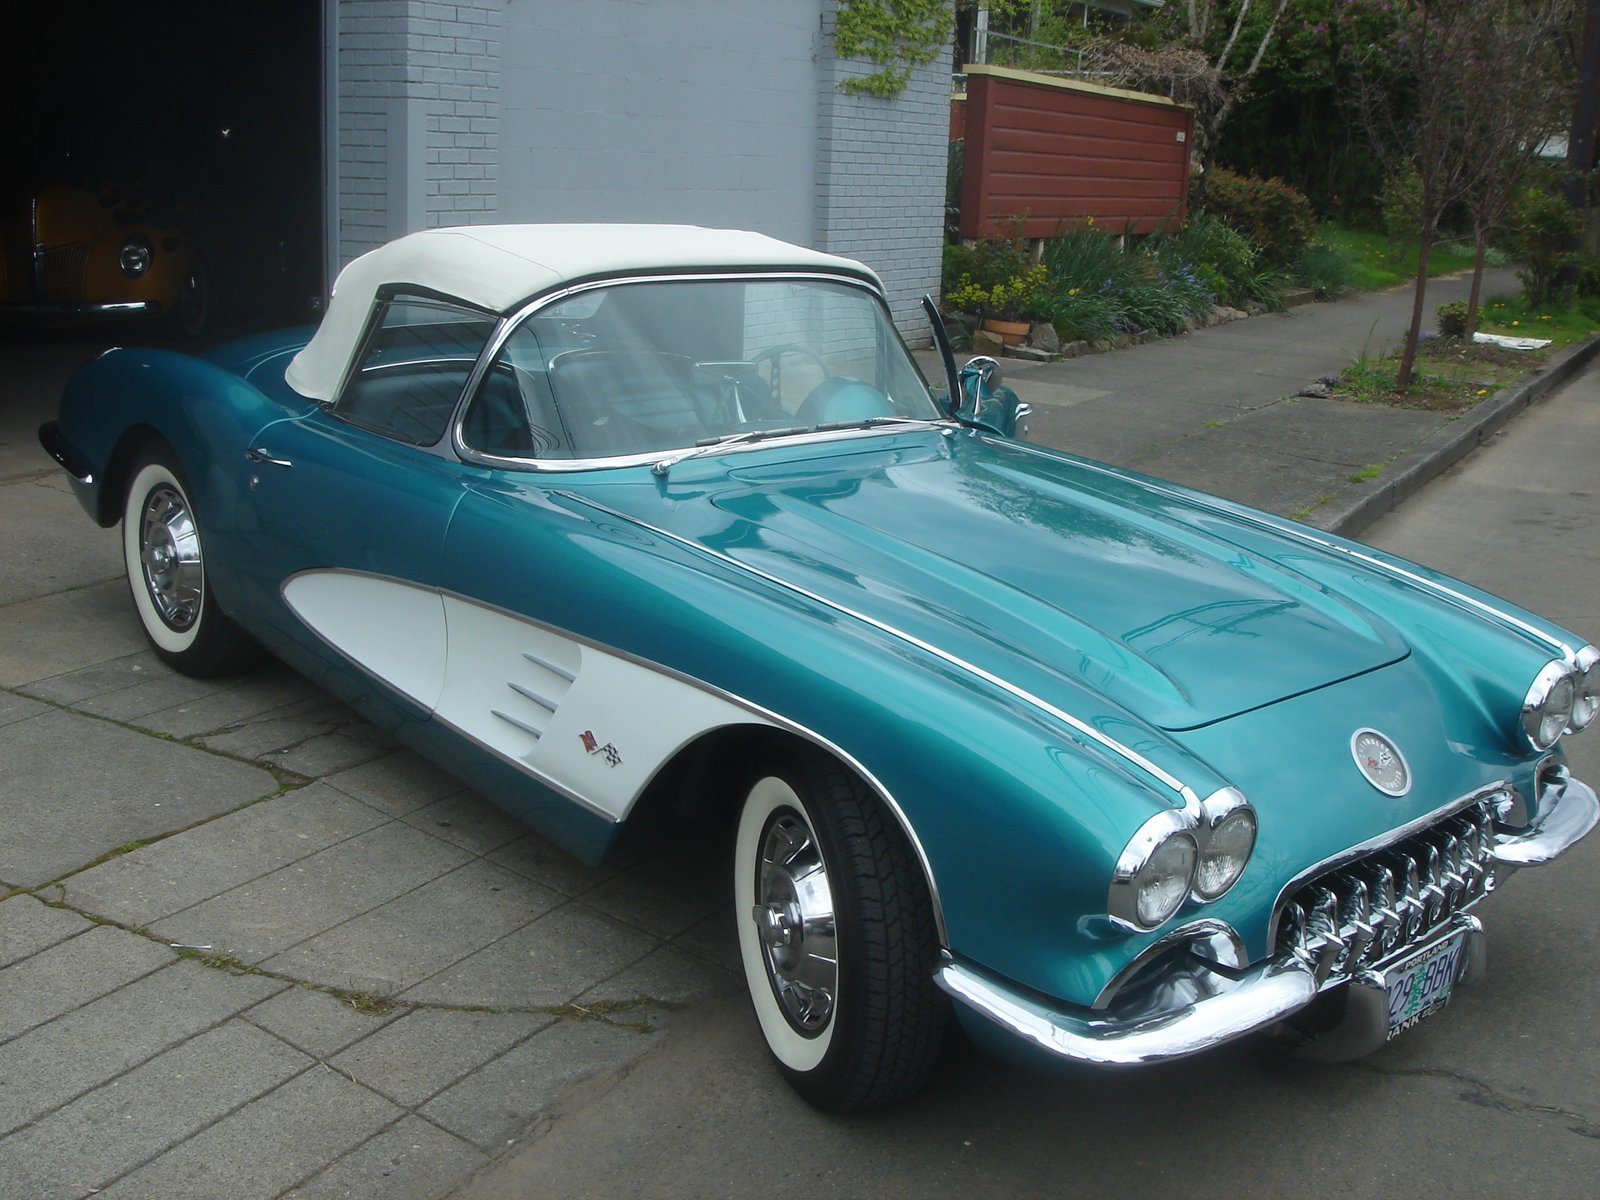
column 714, row 112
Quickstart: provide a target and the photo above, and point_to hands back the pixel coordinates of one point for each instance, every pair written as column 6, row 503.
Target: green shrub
column 1326, row 270
column 1542, row 228
column 1268, row 212
column 1402, row 201
column 1589, row 276
column 988, row 263
column 1452, row 319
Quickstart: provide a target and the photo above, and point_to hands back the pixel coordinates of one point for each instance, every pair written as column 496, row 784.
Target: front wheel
column 163, row 555
column 836, row 936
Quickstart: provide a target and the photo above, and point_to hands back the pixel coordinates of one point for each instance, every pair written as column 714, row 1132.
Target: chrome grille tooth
column 1372, row 910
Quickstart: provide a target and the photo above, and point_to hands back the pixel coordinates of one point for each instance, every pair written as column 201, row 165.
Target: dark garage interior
column 203, row 120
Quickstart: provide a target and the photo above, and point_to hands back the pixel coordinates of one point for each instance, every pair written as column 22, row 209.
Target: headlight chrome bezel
column 136, row 256
column 1546, row 715
column 1586, row 689
column 1188, row 833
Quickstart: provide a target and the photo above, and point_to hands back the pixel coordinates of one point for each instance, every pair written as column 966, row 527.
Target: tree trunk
column 1479, row 249
column 1408, row 356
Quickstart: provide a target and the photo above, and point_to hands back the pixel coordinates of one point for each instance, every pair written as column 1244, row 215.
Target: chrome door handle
column 259, row 455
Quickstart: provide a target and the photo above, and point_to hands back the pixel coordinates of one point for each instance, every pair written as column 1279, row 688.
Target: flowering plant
column 1011, row 299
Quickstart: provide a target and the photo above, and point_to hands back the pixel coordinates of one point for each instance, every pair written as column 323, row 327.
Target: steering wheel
column 773, row 357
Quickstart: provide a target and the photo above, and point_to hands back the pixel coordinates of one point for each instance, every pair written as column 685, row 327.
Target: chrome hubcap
column 169, row 553
column 794, row 919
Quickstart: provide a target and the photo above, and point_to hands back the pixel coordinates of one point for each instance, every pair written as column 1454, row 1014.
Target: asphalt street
column 1497, row 1096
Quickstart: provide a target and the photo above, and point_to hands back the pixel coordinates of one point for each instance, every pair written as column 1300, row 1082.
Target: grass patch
column 1372, row 267
column 1515, row 316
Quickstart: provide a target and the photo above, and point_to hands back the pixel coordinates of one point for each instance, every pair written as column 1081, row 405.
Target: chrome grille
column 1363, row 912
column 61, row 273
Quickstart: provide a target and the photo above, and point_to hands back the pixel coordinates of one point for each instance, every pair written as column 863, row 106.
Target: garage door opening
column 168, row 156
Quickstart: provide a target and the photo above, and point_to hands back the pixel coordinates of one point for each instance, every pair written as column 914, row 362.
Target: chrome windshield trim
column 1190, row 797
column 1288, row 529
column 509, row 323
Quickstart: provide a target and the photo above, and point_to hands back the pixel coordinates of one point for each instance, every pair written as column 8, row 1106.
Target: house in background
column 724, row 112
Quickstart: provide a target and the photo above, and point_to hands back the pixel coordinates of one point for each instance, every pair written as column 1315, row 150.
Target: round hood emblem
column 1381, row 762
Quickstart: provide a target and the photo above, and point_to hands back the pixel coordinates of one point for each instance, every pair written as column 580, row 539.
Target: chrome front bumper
column 1216, row 1006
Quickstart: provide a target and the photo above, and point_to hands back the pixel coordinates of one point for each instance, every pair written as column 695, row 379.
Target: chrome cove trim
column 1189, row 797
column 775, row 718
column 128, row 308
column 1310, row 537
column 509, row 323
column 1567, row 810
column 1217, row 1009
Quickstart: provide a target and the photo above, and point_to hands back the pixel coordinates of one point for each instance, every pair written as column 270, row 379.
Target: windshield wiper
column 705, row 445
column 873, row 422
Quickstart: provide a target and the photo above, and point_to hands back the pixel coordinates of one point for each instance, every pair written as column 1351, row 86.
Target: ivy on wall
column 896, row 35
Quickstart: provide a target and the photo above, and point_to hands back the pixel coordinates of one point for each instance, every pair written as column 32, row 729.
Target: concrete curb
column 1356, row 508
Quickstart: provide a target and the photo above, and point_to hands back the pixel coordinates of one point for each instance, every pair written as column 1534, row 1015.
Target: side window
column 512, row 413
column 416, row 366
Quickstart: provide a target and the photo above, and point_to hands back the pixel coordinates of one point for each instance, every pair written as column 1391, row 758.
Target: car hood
column 1050, row 574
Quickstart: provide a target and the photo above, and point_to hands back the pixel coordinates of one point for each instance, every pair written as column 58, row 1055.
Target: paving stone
column 88, row 1046
column 14, row 708
column 427, row 1050
column 160, row 879
column 668, row 892
column 160, row 688
column 420, row 933
column 551, row 961
column 279, row 910
column 267, row 1146
column 315, row 737
column 50, row 545
column 669, row 975
column 715, row 939
column 411, row 1160
column 77, row 788
column 116, row 1127
column 397, row 783
column 69, row 975
column 27, row 926
column 66, row 632
column 103, row 678
column 499, row 1101
column 267, row 688
column 542, row 861
column 469, row 821
column 316, row 1022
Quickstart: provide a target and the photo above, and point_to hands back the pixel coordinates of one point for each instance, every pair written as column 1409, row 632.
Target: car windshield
column 652, row 367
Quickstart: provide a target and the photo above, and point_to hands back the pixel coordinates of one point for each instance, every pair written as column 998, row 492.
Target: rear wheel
column 836, row 936
column 165, row 561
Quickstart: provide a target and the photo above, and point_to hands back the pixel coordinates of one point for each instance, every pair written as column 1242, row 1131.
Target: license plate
column 1421, row 986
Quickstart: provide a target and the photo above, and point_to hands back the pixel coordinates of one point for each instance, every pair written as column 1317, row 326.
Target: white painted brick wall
column 419, row 111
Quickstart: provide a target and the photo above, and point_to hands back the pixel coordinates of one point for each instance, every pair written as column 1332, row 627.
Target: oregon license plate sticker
column 1421, row 987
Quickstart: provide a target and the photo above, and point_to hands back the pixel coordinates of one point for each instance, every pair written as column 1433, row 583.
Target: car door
column 348, row 506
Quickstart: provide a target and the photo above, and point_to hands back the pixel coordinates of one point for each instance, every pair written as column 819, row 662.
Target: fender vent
column 537, row 692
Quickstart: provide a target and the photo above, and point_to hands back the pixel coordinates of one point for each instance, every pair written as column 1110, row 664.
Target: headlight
column 1549, row 706
column 1227, row 836
column 1586, row 702
column 1155, row 872
column 135, row 257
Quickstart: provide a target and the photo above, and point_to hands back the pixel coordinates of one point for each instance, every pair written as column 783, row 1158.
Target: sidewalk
column 248, row 947
column 1216, row 410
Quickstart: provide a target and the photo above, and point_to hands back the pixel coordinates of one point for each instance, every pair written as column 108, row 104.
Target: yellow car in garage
column 79, row 253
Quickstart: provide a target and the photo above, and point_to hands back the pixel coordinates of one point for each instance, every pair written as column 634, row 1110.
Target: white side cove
column 592, row 724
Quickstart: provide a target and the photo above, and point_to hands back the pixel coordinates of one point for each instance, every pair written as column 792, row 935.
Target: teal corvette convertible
column 620, row 522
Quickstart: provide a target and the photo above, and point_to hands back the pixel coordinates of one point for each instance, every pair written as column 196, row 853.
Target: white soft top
column 499, row 266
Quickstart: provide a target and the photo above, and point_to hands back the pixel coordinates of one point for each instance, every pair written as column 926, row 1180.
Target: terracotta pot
column 1012, row 333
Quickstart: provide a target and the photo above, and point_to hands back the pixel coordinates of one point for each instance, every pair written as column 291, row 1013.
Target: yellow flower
column 1088, row 220
column 1072, row 291
column 1516, row 322
column 1483, row 391
column 1544, row 318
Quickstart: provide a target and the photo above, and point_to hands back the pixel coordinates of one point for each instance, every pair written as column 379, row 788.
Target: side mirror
column 985, row 370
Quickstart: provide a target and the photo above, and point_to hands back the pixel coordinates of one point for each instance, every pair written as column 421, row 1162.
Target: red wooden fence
column 1055, row 152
